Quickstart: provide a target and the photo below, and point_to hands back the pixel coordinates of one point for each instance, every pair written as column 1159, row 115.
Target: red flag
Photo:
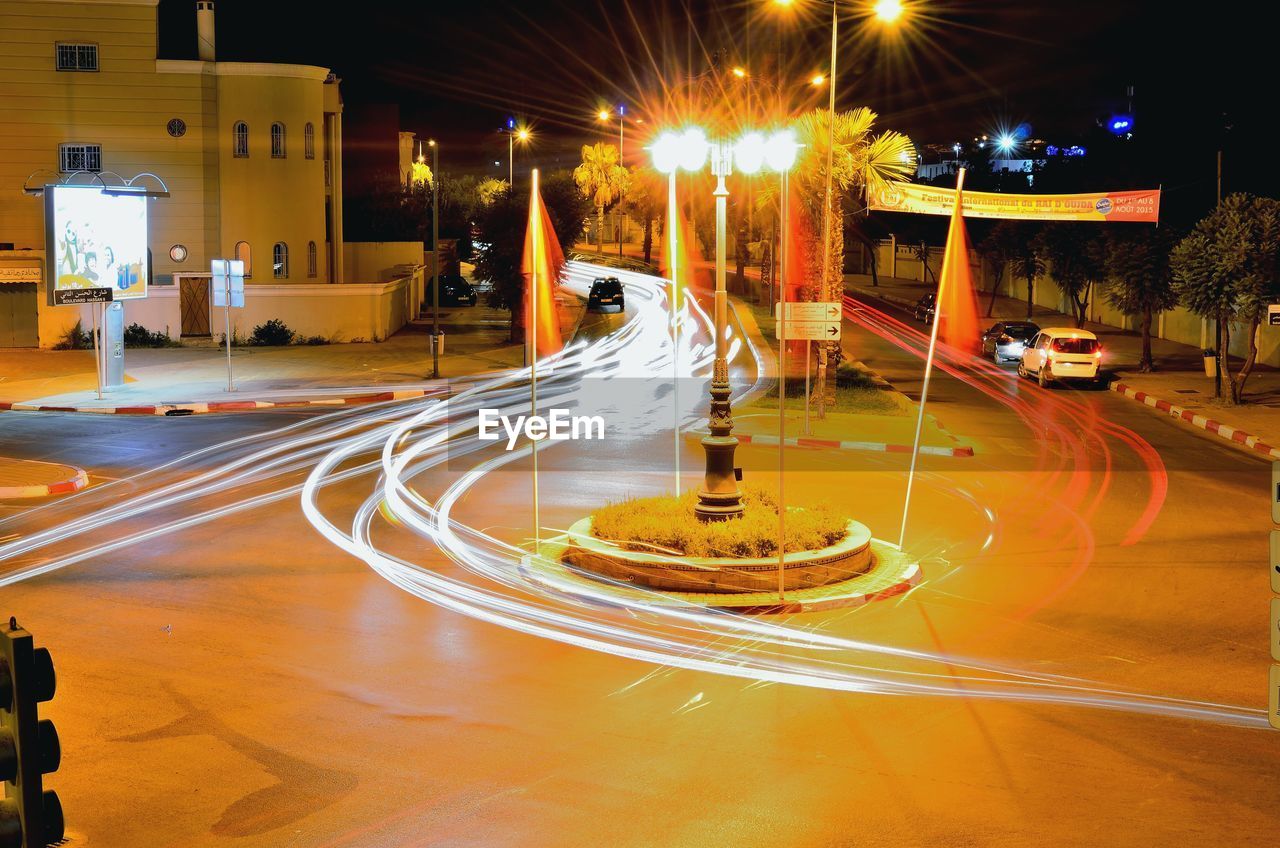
column 957, row 301
column 541, row 266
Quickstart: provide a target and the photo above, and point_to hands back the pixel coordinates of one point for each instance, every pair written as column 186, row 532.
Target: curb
column 197, row 408
column 1226, row 431
column 78, row 480
column 834, row 444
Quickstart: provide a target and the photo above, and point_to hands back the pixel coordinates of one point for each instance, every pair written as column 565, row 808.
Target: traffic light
column 30, row 816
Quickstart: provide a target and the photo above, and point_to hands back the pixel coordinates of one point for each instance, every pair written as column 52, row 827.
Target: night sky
column 457, row 70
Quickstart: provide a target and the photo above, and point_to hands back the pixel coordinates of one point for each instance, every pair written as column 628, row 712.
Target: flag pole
column 933, row 345
column 535, row 221
column 675, row 326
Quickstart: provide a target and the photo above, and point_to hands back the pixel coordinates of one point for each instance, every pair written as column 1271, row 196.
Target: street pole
column 675, row 326
column 782, row 390
column 720, row 499
column 1217, row 324
column 622, row 215
column 95, row 313
column 226, row 325
column 511, row 160
column 435, row 260
column 827, row 215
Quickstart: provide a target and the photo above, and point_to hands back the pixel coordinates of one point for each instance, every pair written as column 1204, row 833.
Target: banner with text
column 1141, row 206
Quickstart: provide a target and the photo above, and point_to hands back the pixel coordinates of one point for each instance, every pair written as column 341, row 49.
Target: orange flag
column 541, row 266
column 957, row 300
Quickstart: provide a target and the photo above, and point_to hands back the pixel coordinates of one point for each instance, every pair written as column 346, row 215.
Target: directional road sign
column 821, row 311
column 809, row 330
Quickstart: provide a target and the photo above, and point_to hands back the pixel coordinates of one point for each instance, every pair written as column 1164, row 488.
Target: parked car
column 925, row 308
column 1060, row 354
column 1006, row 340
column 605, row 291
column 454, row 291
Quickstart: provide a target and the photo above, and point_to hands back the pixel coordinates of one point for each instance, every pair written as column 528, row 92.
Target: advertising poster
column 95, row 242
column 1138, row 206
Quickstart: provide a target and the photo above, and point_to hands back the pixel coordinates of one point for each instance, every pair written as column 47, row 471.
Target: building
column 250, row 153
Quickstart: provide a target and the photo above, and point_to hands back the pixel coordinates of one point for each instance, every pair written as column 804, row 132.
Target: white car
column 1062, row 353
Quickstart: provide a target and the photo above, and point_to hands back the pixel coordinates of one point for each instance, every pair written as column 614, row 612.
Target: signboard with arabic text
column 1136, row 206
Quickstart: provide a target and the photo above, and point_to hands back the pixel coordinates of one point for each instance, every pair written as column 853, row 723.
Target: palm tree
column 602, row 178
column 860, row 160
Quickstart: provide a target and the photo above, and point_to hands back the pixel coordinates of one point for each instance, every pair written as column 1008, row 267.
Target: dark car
column 454, row 291
column 925, row 307
column 605, row 291
column 1007, row 339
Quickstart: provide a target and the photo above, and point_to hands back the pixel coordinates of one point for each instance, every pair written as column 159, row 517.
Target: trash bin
column 439, row 340
column 1210, row 363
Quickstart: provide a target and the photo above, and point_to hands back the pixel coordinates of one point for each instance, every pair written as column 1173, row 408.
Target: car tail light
column 1097, row 354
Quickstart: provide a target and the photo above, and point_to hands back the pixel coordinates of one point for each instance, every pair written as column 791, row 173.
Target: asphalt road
column 242, row 682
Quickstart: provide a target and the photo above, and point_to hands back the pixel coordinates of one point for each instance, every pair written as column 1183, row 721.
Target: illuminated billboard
column 96, row 245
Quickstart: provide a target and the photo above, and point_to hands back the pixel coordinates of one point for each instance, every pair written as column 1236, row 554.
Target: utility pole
column 435, row 259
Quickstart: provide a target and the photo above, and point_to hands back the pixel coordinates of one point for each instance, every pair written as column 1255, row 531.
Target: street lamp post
column 435, row 259
column 720, row 499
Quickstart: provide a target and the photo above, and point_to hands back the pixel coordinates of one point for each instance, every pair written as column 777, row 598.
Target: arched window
column 245, row 255
column 311, row 259
column 309, row 141
column 277, row 140
column 280, row 261
column 240, row 140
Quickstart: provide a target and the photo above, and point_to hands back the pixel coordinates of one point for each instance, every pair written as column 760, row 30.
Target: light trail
column 392, row 449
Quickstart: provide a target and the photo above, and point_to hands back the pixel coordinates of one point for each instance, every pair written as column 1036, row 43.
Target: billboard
column 1141, row 206
column 96, row 245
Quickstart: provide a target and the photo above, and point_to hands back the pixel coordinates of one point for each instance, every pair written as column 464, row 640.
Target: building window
column 309, row 141
column 79, row 157
column 240, row 140
column 245, row 255
column 277, row 140
column 311, row 259
column 77, row 57
column 280, row 261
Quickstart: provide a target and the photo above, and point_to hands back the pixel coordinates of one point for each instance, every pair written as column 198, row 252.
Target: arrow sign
column 819, row 311
column 809, row 330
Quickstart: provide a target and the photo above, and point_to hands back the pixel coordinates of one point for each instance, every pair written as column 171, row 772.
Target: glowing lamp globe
column 693, row 149
column 780, row 151
column 749, row 152
column 666, row 152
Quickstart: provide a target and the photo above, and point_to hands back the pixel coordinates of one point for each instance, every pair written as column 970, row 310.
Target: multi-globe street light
column 719, row 498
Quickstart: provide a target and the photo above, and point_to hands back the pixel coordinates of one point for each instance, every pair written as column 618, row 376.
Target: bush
column 670, row 523
column 313, row 340
column 273, row 333
column 136, row 335
column 75, row 339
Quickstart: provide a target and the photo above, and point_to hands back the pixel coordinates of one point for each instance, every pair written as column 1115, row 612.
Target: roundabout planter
column 655, row 569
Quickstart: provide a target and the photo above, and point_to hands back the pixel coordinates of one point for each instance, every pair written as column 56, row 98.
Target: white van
column 1062, row 353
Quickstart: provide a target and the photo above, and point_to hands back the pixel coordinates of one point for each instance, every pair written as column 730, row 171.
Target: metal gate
column 195, row 305
column 18, row 315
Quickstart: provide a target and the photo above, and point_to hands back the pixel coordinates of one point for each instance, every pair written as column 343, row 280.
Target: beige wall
column 376, row 261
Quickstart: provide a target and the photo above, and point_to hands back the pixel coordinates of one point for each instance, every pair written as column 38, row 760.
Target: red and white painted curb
column 78, row 480
column 835, row 444
column 904, row 584
column 192, row 408
column 1226, row 431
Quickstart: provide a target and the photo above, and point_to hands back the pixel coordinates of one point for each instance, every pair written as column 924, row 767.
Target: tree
column 647, row 201
column 1077, row 255
column 1001, row 248
column 1226, row 269
column 1139, row 281
column 921, row 253
column 490, row 189
column 601, row 178
column 860, row 160
column 1027, row 263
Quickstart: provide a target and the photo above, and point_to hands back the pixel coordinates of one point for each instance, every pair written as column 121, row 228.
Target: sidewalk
column 193, row 378
column 23, row 478
column 1178, row 383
